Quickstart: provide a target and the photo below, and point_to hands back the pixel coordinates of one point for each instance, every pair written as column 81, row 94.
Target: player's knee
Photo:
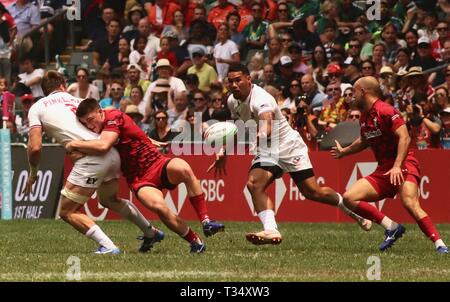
column 348, row 199
column 254, row 187
column 186, row 173
column 411, row 204
column 158, row 207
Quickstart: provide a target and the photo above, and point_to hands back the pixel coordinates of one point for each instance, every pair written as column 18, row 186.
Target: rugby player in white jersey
column 55, row 114
column 280, row 149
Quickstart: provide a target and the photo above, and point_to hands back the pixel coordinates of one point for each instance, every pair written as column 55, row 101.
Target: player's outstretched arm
column 34, row 156
column 357, row 146
column 96, row 146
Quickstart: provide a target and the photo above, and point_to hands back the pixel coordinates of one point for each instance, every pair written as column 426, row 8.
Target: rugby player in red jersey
column 147, row 171
column 384, row 130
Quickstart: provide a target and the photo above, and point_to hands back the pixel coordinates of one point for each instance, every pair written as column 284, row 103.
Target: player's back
column 56, row 114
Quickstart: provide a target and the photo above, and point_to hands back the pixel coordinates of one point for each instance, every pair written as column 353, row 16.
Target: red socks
column 199, row 204
column 367, row 211
column 190, row 236
column 428, row 228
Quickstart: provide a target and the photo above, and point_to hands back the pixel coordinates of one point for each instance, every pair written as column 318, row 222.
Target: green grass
column 39, row 250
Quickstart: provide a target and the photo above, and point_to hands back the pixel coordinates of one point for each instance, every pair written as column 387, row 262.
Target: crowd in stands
column 165, row 62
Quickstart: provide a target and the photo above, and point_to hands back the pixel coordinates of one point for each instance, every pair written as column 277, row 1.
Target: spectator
column 307, row 39
column 26, row 17
column 165, row 71
column 124, row 51
column 354, row 115
column 282, row 21
column 403, row 59
column 424, row 57
column 447, row 78
column 7, row 33
column 181, row 53
column 386, row 16
column 287, row 72
column 354, row 49
column 305, row 9
column 334, row 74
column 82, row 88
column 286, row 39
column 21, row 121
column 445, row 135
column 378, row 58
column 274, row 52
column 295, row 90
column 133, row 112
column 442, row 98
column 386, row 80
column 319, row 65
column 364, row 39
column 135, row 14
column 348, row 97
column 107, row 48
column 192, row 83
column 392, row 44
column 295, row 52
column 234, row 21
column 116, row 96
column 225, row 51
column 255, row 31
column 31, row 77
column 209, row 30
column 160, row 98
column 177, row 115
column 438, row 44
column 139, row 58
column 178, row 26
column 98, row 29
column 206, row 73
column 161, row 13
column 268, row 76
column 368, row 68
column 334, row 108
column 430, row 31
column 152, row 46
column 201, row 105
column 256, row 66
column 162, row 132
column 245, row 15
column 134, row 79
column 167, row 53
column 136, row 98
column 412, row 38
column 351, row 70
column 424, row 126
column 313, row 97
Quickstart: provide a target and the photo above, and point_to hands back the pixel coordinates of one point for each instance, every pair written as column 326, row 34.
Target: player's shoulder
column 261, row 96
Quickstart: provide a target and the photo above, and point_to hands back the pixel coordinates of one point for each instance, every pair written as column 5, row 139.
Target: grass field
column 39, row 250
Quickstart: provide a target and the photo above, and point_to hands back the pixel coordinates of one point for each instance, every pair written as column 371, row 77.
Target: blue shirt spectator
column 25, row 14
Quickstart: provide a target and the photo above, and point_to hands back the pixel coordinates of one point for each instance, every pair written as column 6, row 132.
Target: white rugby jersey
column 260, row 101
column 56, row 115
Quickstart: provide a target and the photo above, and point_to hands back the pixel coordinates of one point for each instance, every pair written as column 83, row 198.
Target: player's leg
column 410, row 200
column 73, row 197
column 259, row 178
column 153, row 199
column 178, row 171
column 107, row 193
column 363, row 189
column 307, row 184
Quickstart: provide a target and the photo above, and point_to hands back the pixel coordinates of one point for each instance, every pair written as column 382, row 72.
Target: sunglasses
column 359, row 32
column 295, row 85
column 286, row 40
column 442, row 28
column 355, row 116
column 282, row 10
column 334, row 75
column 439, row 95
column 116, row 89
column 353, row 46
column 367, row 67
column 199, row 99
column 348, row 94
column 333, row 89
column 318, row 51
column 217, row 100
column 81, row 76
column 160, row 118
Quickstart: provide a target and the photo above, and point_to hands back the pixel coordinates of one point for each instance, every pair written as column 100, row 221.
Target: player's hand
column 75, row 155
column 219, row 165
column 69, row 147
column 29, row 184
column 396, row 175
column 338, row 151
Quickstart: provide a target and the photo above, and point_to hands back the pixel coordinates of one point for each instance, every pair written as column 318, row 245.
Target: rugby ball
column 220, row 133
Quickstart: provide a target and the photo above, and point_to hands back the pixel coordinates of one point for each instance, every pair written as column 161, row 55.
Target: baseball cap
column 423, row 41
column 198, row 51
column 163, row 63
column 446, row 110
column 350, row 61
column 171, row 34
column 286, row 61
column 27, row 97
column 334, row 68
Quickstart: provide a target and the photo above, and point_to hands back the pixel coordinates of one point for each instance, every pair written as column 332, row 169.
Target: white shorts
column 91, row 171
column 291, row 155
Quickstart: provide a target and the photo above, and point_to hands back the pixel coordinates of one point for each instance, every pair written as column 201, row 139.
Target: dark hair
column 413, row 31
column 160, row 111
column 235, row 14
column 192, row 78
column 237, row 67
column 404, row 50
column 115, row 20
column 221, row 114
column 83, row 69
column 138, row 87
column 314, row 62
column 51, row 81
column 87, row 106
column 139, row 38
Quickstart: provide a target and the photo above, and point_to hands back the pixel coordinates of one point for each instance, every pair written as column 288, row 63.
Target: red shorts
column 155, row 177
column 382, row 183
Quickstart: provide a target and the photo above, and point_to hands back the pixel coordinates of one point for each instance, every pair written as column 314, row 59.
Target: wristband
column 33, row 171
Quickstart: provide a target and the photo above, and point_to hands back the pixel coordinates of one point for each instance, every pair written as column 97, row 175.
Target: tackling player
column 147, row 171
column 384, row 130
column 55, row 114
column 285, row 151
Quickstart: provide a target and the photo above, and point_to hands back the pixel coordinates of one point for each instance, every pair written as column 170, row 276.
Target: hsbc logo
column 362, row 170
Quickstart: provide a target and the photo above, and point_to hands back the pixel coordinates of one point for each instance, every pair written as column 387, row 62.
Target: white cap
column 423, row 39
column 285, row 60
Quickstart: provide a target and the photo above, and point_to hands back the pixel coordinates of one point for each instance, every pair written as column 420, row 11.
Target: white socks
column 96, row 234
column 131, row 213
column 388, row 224
column 439, row 243
column 347, row 210
column 267, row 218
